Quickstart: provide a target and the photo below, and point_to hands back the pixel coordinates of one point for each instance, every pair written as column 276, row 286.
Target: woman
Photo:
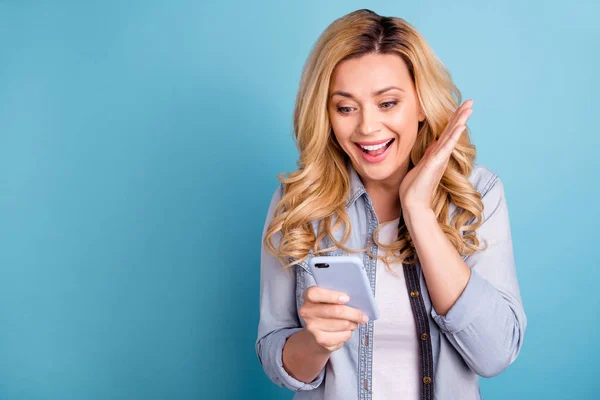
column 387, row 172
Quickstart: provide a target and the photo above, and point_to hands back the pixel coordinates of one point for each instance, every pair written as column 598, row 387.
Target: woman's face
column 373, row 101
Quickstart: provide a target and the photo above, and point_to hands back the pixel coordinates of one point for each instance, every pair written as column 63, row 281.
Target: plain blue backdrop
column 139, row 148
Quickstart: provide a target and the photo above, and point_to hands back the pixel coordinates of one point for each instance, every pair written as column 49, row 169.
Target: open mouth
column 375, row 150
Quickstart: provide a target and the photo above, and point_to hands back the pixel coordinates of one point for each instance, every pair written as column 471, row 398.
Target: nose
column 368, row 124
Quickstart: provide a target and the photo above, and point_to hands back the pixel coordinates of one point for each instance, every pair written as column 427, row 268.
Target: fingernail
column 365, row 319
column 344, row 298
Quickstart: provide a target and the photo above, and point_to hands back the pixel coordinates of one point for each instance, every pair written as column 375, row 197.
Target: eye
column 387, row 104
column 392, row 104
column 341, row 110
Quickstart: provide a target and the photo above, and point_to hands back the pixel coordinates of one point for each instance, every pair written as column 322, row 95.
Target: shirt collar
column 357, row 187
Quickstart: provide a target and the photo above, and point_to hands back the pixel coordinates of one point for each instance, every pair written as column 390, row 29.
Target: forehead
column 370, row 72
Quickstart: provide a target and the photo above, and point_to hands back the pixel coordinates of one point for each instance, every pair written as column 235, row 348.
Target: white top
column 395, row 343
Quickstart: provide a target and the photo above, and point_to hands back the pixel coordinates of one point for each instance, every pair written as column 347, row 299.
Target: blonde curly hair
column 319, row 188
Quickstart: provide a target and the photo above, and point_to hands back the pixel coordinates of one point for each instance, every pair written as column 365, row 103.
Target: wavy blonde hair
column 319, row 189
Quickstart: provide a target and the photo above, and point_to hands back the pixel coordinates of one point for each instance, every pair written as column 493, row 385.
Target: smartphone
column 346, row 274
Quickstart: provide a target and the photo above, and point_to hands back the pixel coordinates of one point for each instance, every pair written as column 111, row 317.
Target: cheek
column 342, row 128
column 402, row 120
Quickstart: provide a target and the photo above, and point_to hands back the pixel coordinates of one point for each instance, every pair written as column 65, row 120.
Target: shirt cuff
column 472, row 302
column 286, row 378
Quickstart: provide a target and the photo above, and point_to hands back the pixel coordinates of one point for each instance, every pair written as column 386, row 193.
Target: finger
column 464, row 111
column 331, row 339
column 465, row 105
column 332, row 325
column 451, row 129
column 316, row 294
column 460, row 119
column 464, row 116
column 340, row 311
column 450, row 143
column 459, row 112
column 444, row 149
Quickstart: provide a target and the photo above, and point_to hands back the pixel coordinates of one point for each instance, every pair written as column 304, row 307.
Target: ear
column 421, row 114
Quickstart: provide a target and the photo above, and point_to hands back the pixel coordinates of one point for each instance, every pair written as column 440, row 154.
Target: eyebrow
column 375, row 93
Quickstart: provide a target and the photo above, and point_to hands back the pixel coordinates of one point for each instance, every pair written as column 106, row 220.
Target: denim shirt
column 481, row 334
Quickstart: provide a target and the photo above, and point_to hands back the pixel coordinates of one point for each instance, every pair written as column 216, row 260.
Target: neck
column 385, row 194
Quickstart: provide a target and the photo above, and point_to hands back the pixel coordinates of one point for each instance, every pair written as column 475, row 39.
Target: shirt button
column 414, row 293
column 424, row 336
column 427, row 380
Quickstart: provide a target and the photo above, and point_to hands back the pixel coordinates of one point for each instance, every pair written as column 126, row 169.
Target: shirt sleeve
column 278, row 316
column 487, row 323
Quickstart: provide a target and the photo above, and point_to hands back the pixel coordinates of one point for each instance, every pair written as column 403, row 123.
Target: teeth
column 375, row 147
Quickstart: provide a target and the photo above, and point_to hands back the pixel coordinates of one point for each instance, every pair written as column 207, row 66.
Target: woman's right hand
column 329, row 322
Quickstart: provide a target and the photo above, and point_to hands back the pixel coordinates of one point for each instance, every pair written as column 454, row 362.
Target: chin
column 376, row 172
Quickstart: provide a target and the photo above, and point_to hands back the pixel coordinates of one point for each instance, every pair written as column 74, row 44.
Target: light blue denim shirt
column 481, row 335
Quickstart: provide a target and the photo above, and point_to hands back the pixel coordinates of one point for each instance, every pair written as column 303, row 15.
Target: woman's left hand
column 419, row 184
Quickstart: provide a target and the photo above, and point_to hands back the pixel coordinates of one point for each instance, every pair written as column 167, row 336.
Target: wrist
column 414, row 214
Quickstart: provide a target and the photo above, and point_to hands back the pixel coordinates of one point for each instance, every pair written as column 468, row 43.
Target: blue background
column 139, row 148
